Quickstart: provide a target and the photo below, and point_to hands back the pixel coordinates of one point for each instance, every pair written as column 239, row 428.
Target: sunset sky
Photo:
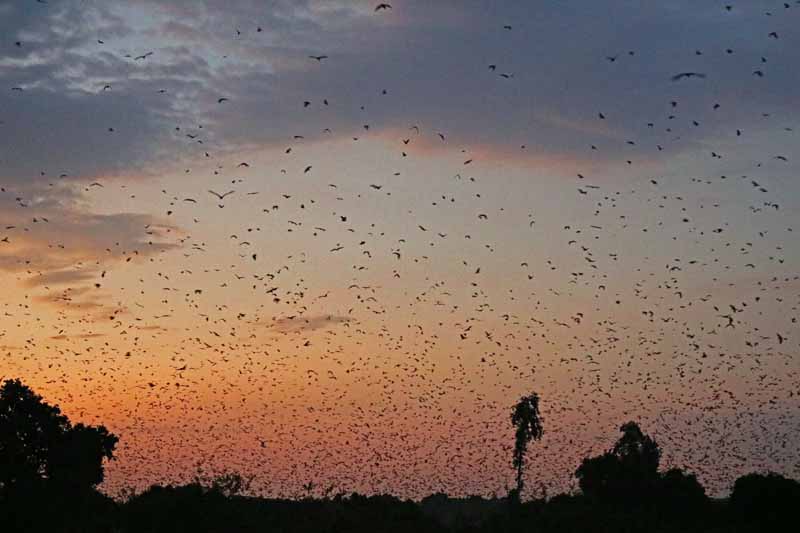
column 461, row 202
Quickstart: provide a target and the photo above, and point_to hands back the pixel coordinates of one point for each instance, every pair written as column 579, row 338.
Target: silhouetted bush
column 768, row 499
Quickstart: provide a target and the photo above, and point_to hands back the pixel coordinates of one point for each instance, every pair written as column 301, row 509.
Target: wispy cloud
column 51, row 242
column 296, row 324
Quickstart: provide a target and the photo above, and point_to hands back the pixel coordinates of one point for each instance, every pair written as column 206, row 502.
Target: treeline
column 49, row 471
column 758, row 503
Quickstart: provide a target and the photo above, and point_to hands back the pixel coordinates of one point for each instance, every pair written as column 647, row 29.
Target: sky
column 309, row 241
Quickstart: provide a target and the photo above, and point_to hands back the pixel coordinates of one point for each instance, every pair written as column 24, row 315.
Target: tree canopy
column 41, row 449
column 627, row 472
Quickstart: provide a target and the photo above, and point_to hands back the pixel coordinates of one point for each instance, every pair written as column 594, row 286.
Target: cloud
column 95, row 305
column 449, row 89
column 62, row 336
column 198, row 56
column 53, row 243
column 307, row 323
column 60, row 277
column 51, row 238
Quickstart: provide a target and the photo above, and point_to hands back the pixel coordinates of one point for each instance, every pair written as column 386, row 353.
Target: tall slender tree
column 528, row 422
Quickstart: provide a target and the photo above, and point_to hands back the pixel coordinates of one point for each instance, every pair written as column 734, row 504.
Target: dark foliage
column 765, row 499
column 628, row 473
column 200, row 508
column 48, row 467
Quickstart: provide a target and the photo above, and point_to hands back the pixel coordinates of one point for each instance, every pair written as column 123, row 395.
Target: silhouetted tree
column 41, row 449
column 639, row 457
column 628, row 472
column 527, row 420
